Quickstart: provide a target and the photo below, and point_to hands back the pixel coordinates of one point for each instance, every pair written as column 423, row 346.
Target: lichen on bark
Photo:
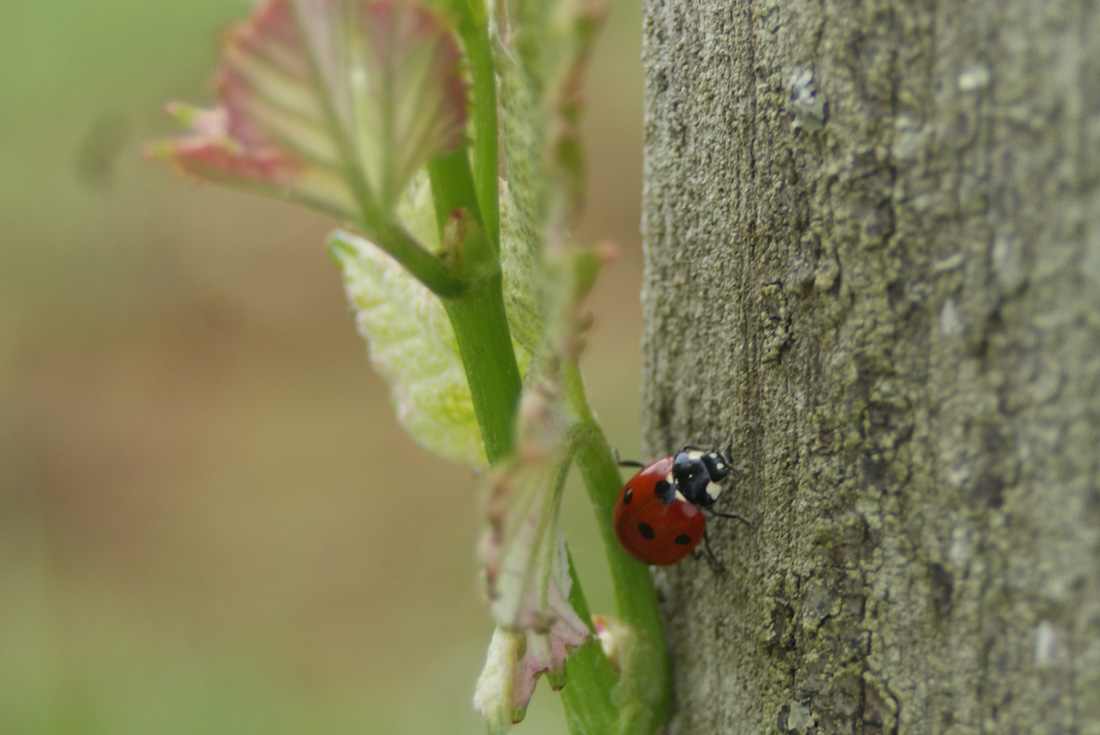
column 872, row 235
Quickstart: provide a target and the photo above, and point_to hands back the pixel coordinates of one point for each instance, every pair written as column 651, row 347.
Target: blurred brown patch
column 200, row 464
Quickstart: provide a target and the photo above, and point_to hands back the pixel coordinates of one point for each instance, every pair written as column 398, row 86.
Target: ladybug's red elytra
column 659, row 514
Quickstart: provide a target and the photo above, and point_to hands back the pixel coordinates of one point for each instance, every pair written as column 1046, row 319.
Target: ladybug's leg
column 728, row 515
column 719, row 566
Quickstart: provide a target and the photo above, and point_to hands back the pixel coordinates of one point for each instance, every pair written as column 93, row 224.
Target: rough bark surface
column 872, row 234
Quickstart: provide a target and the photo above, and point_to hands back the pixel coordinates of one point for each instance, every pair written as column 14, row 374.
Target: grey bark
column 872, row 233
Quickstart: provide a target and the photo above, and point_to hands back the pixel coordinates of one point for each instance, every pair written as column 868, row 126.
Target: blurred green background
column 210, row 521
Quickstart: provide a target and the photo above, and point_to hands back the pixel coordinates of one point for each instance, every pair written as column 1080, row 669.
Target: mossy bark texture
column 872, row 233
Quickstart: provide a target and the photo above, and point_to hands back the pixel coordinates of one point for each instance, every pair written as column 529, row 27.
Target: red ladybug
column 659, row 514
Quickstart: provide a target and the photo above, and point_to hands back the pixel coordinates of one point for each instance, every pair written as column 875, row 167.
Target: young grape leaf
column 335, row 104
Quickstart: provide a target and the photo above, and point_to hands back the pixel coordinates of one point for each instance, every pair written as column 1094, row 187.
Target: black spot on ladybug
column 628, row 496
column 646, row 530
column 683, row 539
column 665, row 491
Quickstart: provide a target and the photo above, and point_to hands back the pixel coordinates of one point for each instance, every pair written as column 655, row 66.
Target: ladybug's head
column 697, row 474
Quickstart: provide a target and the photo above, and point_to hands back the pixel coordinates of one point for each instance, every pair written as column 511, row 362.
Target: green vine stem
column 477, row 312
column 635, row 596
column 593, row 704
column 481, row 329
column 473, row 29
column 590, row 707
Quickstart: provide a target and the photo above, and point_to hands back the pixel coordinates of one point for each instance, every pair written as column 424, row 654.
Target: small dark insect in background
column 99, row 149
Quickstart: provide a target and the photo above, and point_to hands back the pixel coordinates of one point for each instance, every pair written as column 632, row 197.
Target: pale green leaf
column 412, row 344
column 413, row 348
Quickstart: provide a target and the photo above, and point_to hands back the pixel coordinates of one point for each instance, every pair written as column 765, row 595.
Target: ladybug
column 659, row 514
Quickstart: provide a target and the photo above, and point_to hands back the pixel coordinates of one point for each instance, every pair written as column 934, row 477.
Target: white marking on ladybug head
column 695, row 454
column 713, row 490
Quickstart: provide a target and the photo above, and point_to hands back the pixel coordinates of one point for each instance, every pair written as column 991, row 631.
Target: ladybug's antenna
column 729, row 460
column 623, row 462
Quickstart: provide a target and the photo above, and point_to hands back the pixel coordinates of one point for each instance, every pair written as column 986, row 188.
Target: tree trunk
column 872, row 233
